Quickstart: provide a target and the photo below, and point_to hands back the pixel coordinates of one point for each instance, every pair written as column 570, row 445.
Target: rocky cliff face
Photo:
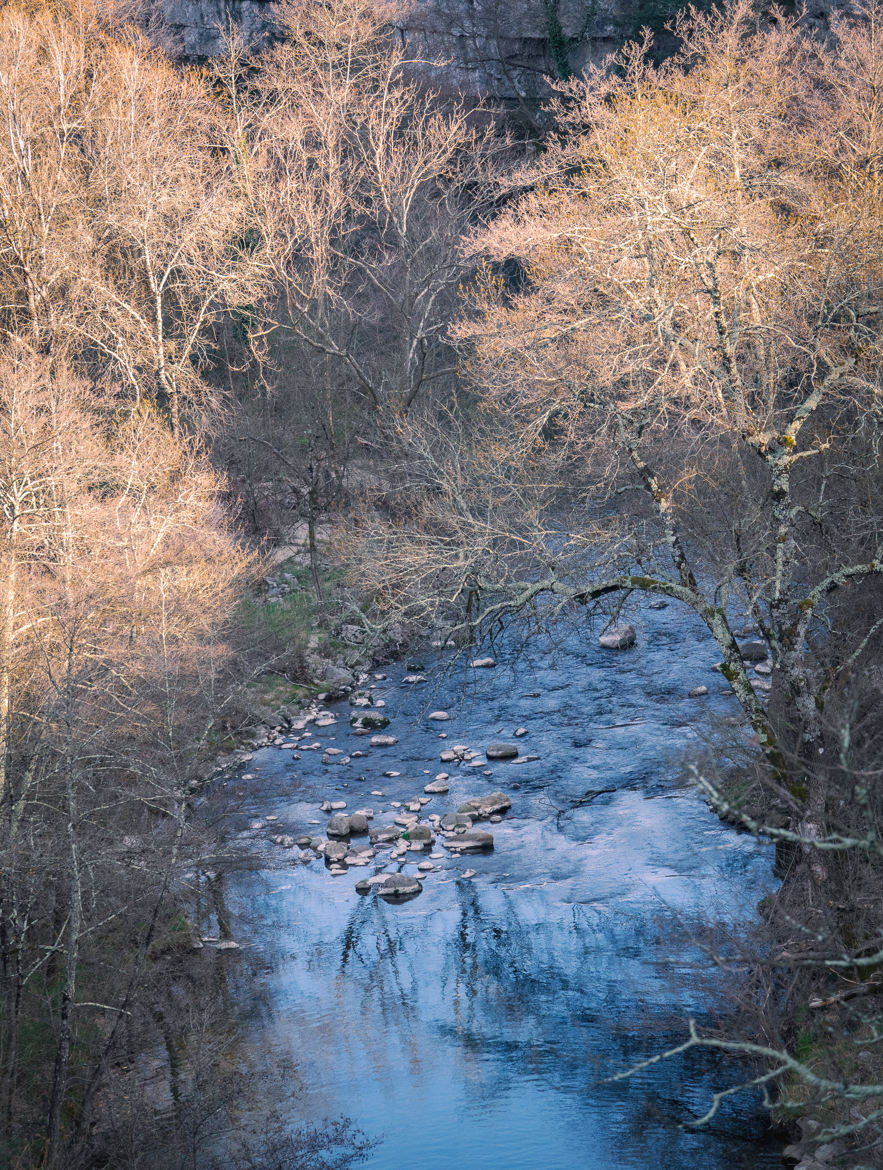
column 498, row 48
column 196, row 25
column 503, row 49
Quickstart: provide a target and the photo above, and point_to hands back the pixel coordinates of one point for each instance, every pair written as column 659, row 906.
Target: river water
column 474, row 1026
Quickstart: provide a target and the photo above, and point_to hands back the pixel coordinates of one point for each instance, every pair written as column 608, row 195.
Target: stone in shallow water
column 754, row 651
column 382, row 740
column 385, row 833
column 418, row 833
column 439, row 716
column 451, row 821
column 618, row 637
column 358, row 823
column 501, row 751
column 519, row 732
column 399, row 886
column 335, row 851
column 338, row 826
column 483, row 663
column 697, row 692
column 486, row 806
column 472, row 841
column 425, row 866
column 436, row 788
column 468, row 873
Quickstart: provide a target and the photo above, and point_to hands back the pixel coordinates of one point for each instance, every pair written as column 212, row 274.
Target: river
column 474, row 1026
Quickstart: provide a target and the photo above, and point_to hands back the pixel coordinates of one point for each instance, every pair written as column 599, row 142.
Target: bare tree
column 363, row 187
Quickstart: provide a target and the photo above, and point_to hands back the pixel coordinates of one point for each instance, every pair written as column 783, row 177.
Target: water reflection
column 476, row 1023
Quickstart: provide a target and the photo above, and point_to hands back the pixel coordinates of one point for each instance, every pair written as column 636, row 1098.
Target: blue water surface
column 476, row 1025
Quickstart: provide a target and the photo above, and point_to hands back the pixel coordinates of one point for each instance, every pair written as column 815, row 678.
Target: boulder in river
column 383, row 834
column 618, row 637
column 418, row 833
column 754, row 651
column 383, row 740
column 501, row 751
column 697, row 692
column 335, row 852
column 452, row 821
column 486, row 806
column 436, row 788
column 338, row 826
column 369, row 721
column 483, row 663
column 358, row 823
column 397, row 887
column 472, row 841
column 438, row 716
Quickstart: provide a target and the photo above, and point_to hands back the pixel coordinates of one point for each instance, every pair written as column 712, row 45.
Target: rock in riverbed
column 483, row 663
column 754, row 651
column 486, row 806
column 436, row 788
column 418, row 833
column 501, row 751
column 384, row 834
column 383, row 740
column 358, row 823
column 472, row 841
column 338, row 826
column 618, row 637
column 399, row 886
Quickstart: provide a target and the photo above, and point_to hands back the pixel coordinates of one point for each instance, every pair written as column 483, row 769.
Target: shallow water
column 472, row 1025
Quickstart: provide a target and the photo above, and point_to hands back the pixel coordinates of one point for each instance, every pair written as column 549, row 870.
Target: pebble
column 468, row 873
column 697, row 692
column 436, row 856
column 439, row 716
column 391, row 775
column 375, row 792
column 483, row 663
column 519, row 732
column 336, row 805
column 383, row 740
column 271, row 818
column 425, row 866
